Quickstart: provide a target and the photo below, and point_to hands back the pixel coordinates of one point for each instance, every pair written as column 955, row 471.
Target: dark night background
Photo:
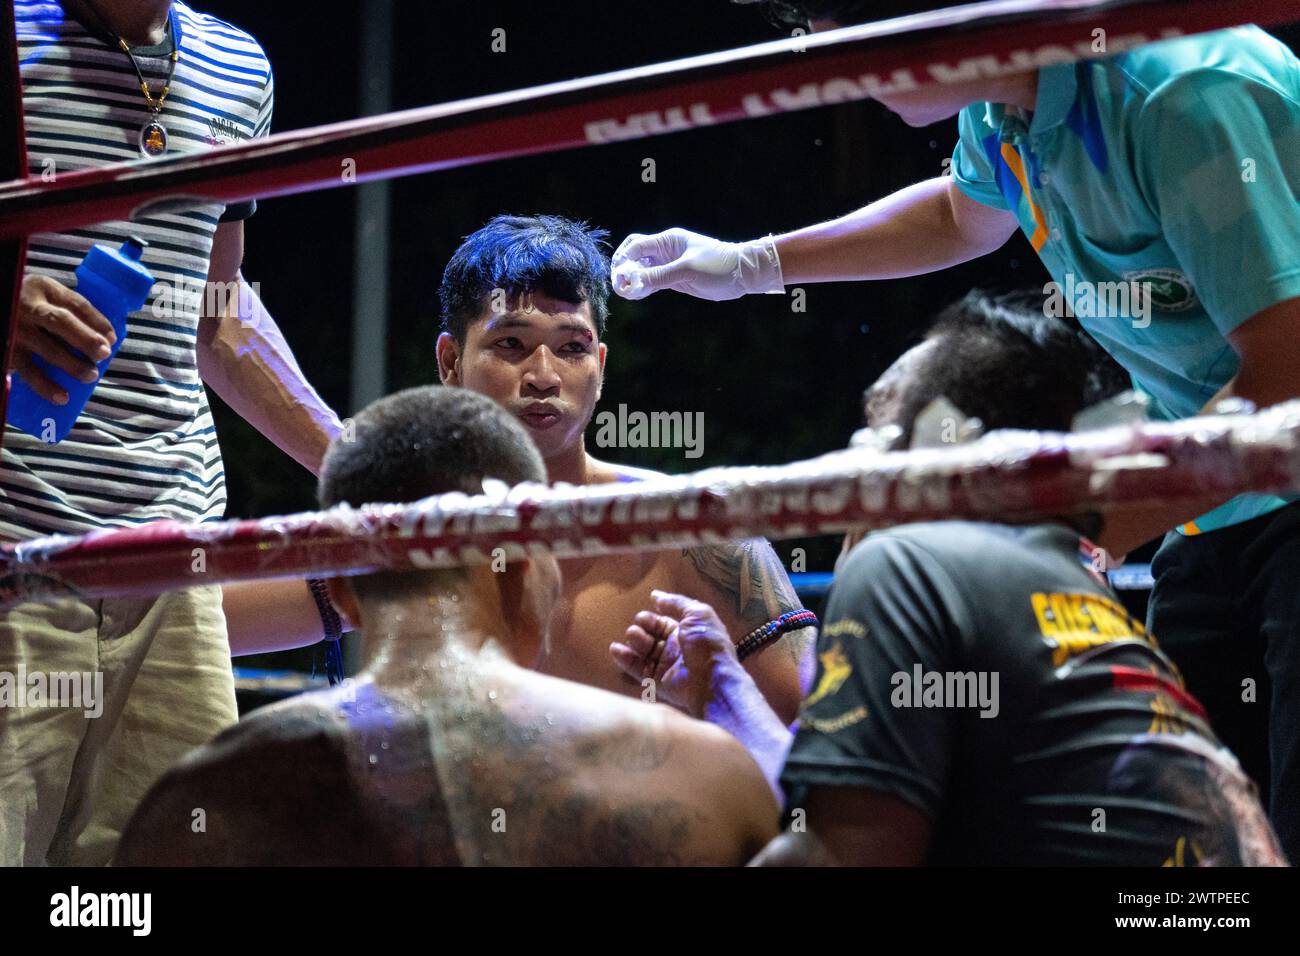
column 774, row 386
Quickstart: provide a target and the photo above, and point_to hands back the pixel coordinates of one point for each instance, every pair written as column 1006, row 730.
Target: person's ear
column 345, row 600
column 448, row 352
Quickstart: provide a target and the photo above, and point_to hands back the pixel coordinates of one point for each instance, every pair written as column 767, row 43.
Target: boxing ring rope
column 784, row 75
column 1004, row 475
column 837, row 67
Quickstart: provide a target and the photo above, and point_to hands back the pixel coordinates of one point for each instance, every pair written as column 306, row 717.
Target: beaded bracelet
column 329, row 617
column 333, row 627
column 765, row 634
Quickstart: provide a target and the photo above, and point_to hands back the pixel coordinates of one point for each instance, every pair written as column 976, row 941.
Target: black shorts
column 1226, row 608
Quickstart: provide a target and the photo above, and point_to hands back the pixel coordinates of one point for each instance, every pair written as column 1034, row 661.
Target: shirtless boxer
column 445, row 750
column 546, row 366
column 524, row 308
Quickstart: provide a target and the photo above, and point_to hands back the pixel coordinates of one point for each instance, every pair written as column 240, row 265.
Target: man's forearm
column 267, row 616
column 244, row 359
column 913, row 232
column 1128, row 527
column 747, row 585
column 737, row 706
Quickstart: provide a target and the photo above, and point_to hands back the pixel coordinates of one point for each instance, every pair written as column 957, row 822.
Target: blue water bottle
column 116, row 284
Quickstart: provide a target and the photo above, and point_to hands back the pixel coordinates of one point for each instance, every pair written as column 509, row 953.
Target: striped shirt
column 145, row 448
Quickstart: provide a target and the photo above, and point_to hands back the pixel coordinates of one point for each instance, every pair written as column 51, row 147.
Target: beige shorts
column 75, row 760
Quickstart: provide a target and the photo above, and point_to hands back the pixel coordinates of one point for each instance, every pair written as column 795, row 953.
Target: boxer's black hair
column 799, row 13
column 1009, row 362
column 421, row 442
column 559, row 257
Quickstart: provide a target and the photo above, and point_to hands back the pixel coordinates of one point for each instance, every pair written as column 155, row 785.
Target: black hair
column 550, row 254
column 421, row 442
column 1007, row 361
column 798, row 13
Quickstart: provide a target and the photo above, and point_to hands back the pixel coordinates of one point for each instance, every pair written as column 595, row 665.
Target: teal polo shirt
column 1161, row 188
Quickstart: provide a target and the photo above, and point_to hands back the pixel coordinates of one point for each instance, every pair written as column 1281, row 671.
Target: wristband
column 332, row 625
column 330, row 621
column 765, row 634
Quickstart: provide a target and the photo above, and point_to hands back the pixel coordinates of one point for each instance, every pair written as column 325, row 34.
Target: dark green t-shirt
column 985, row 675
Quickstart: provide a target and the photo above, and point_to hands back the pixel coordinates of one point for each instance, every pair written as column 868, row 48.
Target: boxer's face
column 539, row 358
column 886, row 401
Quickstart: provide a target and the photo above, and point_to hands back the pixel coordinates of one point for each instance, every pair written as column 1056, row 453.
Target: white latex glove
column 697, row 265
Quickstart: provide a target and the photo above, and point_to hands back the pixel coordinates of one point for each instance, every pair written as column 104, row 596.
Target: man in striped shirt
column 145, row 447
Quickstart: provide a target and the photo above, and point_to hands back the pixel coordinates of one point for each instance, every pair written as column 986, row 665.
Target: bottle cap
column 122, row 268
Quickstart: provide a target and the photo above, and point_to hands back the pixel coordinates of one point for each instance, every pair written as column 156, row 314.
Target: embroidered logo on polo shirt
column 835, row 671
column 1169, row 289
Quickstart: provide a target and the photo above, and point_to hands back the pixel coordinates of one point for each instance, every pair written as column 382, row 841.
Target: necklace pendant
column 153, row 139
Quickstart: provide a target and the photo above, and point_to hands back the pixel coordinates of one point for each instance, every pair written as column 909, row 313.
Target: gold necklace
column 153, row 134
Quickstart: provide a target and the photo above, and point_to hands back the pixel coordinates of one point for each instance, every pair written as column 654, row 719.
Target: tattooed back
column 479, row 762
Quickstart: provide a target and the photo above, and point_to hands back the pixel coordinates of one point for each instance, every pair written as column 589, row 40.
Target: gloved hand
column 697, row 265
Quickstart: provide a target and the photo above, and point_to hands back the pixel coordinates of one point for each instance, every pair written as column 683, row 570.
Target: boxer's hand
column 679, row 645
column 697, row 265
column 51, row 319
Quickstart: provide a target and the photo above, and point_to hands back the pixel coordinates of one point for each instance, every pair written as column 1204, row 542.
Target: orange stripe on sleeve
column 1017, row 167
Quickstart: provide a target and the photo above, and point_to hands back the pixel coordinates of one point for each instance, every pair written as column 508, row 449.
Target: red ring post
column 13, row 162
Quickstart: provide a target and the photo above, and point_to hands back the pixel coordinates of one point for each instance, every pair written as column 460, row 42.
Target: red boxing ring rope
column 1005, row 475
column 841, row 66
